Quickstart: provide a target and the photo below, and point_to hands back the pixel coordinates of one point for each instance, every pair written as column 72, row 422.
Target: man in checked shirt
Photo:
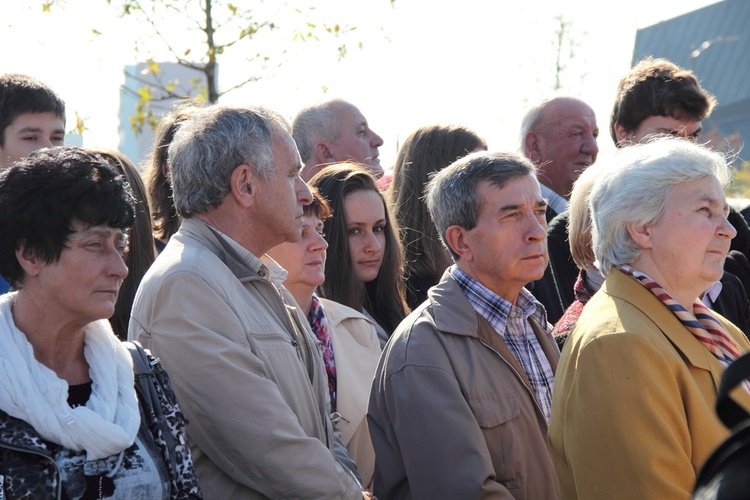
column 461, row 397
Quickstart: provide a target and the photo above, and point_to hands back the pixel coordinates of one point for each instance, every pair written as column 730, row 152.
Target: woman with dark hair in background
column 72, row 424
column 364, row 265
column 166, row 222
column 426, row 151
column 140, row 253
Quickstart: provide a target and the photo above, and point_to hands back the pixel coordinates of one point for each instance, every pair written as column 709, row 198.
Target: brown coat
column 452, row 414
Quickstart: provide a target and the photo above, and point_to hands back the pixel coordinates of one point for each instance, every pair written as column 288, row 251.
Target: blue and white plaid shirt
column 512, row 323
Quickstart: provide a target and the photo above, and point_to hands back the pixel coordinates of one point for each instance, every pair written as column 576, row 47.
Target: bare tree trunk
column 210, row 68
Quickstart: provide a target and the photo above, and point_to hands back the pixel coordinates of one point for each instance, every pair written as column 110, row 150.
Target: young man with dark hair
column 32, row 116
column 659, row 97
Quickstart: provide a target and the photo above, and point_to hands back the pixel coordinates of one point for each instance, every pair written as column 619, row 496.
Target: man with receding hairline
column 559, row 136
column 335, row 131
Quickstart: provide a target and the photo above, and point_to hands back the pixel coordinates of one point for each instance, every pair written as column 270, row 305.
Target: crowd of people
column 258, row 312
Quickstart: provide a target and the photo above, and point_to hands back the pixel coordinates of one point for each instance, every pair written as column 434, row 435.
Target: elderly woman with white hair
column 633, row 403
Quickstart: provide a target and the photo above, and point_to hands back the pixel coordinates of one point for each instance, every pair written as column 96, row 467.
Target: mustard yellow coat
column 633, row 403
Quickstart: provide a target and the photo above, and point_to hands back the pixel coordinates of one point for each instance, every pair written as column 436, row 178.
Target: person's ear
column 457, row 238
column 323, row 154
column 29, row 261
column 244, row 185
column 531, row 146
column 621, row 134
column 640, row 234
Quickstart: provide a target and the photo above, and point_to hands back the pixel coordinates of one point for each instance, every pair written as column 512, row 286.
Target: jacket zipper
column 307, row 359
column 58, row 489
column 299, row 334
column 520, row 379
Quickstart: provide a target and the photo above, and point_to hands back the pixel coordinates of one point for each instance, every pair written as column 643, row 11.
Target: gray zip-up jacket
column 246, row 372
column 452, row 413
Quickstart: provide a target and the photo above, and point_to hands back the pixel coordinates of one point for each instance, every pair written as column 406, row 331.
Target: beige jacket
column 452, row 413
column 245, row 371
column 357, row 349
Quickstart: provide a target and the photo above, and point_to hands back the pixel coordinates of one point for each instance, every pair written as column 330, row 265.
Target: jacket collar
column 243, row 264
column 451, row 309
column 453, row 314
column 336, row 313
column 619, row 285
column 277, row 274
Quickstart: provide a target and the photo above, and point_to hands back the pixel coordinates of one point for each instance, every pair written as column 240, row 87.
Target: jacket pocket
column 497, row 416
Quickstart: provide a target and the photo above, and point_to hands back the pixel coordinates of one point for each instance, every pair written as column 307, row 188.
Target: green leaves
column 197, row 34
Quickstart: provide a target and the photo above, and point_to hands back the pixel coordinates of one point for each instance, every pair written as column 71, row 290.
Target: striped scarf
column 700, row 322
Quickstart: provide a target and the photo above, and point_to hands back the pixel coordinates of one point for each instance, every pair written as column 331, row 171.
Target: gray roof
column 715, row 43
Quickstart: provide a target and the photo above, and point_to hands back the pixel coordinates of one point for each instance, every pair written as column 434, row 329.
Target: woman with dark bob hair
column 364, row 265
column 426, row 151
column 72, row 424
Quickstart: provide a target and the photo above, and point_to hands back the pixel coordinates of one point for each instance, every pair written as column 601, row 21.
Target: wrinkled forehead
column 348, row 114
column 517, row 189
column 565, row 112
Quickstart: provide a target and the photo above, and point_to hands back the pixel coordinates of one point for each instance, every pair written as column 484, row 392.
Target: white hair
column 634, row 188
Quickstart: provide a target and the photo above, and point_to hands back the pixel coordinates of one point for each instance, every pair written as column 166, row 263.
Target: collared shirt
column 556, row 202
column 709, row 296
column 511, row 322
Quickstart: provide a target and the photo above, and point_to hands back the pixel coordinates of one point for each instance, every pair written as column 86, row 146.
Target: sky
column 476, row 63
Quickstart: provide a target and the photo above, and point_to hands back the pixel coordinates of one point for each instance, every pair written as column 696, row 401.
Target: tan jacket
column 245, row 371
column 357, row 349
column 452, row 413
column 633, row 403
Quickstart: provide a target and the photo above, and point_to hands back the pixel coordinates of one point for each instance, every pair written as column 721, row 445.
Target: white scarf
column 31, row 392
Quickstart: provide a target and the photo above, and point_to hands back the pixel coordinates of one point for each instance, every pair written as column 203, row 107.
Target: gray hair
column 210, row 145
column 315, row 124
column 451, row 195
column 634, row 189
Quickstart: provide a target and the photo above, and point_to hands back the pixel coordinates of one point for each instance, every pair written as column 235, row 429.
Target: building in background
column 714, row 42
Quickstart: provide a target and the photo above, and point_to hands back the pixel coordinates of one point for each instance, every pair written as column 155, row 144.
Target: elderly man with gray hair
column 335, row 131
column 461, row 396
column 246, row 369
column 559, row 136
